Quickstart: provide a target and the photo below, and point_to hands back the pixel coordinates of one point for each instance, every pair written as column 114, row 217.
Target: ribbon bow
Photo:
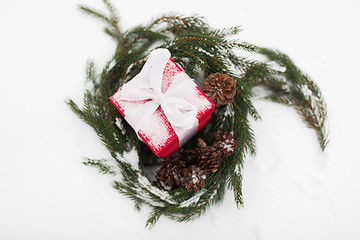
column 147, row 86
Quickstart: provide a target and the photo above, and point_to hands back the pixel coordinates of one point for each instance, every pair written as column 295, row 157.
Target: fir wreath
column 197, row 48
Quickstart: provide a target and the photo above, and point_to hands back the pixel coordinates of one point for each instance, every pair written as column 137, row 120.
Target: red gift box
column 157, row 131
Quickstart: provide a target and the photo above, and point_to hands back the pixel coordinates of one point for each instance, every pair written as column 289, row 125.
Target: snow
column 306, row 91
column 228, row 145
column 163, row 195
column 291, row 189
column 193, row 200
column 144, row 195
column 130, row 157
column 229, row 112
column 119, row 124
column 194, row 177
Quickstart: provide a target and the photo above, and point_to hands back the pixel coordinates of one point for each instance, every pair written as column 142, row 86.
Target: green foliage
column 292, row 87
column 197, row 48
column 100, row 165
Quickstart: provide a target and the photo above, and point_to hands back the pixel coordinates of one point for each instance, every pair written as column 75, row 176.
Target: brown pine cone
column 209, row 158
column 169, row 174
column 175, row 172
column 189, row 166
column 193, row 178
column 226, row 143
column 188, row 156
column 220, row 87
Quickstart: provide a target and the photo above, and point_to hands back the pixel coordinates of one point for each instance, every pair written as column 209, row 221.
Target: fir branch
column 100, row 164
column 235, row 184
column 226, row 31
column 245, row 138
column 112, row 21
column 90, row 72
column 104, row 87
column 293, row 87
column 114, row 17
column 178, row 24
column 154, row 217
column 110, row 32
column 95, row 13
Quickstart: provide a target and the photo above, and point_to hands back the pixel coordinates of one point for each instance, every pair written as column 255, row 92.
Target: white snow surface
column 291, row 189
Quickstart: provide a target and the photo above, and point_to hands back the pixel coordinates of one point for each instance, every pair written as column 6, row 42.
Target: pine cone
column 209, row 158
column 169, row 174
column 193, row 178
column 188, row 156
column 189, row 166
column 180, row 170
column 226, row 143
column 220, row 87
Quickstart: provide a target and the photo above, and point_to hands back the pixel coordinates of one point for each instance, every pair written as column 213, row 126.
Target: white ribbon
column 147, row 86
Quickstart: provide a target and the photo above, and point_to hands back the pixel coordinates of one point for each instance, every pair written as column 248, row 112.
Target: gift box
column 163, row 104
